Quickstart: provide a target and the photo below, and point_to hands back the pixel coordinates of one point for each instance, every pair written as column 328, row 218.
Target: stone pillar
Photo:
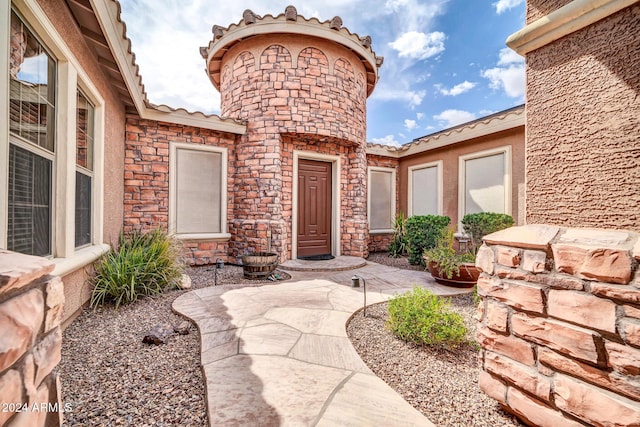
column 560, row 324
column 31, row 305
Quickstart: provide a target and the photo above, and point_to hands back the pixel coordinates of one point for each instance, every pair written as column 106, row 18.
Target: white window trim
column 70, row 76
column 173, row 182
column 336, row 236
column 506, row 150
column 439, row 172
column 392, row 171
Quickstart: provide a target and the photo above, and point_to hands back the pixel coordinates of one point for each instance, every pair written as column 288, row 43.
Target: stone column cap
column 17, row 270
column 531, row 236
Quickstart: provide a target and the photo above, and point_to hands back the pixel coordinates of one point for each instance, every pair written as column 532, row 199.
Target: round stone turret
column 301, row 85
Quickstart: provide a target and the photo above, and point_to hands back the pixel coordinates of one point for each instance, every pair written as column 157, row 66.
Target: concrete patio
column 279, row 354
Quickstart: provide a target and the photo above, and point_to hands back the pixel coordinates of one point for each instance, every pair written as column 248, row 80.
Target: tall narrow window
column 84, row 170
column 382, row 199
column 425, row 189
column 32, row 145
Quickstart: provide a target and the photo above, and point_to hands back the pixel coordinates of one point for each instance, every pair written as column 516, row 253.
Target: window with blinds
column 84, row 169
column 32, row 109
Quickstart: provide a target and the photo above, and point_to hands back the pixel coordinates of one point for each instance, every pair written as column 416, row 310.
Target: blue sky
column 445, row 60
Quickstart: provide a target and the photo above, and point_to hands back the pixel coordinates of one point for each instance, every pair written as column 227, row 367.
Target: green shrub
column 398, row 246
column 423, row 318
column 422, row 233
column 448, row 260
column 478, row 225
column 143, row 264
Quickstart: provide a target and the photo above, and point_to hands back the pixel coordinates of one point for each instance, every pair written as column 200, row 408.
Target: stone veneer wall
column 31, row 308
column 560, row 325
column 583, row 156
column 296, row 93
column 146, row 180
column 380, row 242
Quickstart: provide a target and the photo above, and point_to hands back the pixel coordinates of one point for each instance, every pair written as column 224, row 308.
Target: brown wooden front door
column 314, row 208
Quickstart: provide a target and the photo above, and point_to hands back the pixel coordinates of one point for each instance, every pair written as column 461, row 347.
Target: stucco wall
column 66, row 26
column 536, row 9
column 583, row 122
column 450, row 158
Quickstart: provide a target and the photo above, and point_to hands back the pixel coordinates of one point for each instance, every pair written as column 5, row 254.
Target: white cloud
column 508, row 56
column 458, row 89
column 504, row 5
column 418, row 45
column 411, row 97
column 420, row 116
column 454, row 117
column 387, row 140
column 509, row 75
column 412, row 15
column 410, row 124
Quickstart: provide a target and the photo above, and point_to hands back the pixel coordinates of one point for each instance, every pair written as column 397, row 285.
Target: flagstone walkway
column 279, row 355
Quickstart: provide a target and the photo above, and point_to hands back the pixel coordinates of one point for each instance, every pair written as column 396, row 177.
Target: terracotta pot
column 467, row 277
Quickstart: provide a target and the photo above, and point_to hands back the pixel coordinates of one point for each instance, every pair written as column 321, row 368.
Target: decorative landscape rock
column 159, row 334
column 183, row 328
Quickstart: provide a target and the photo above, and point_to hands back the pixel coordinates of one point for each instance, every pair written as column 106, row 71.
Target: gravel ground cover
column 441, row 384
column 111, row 378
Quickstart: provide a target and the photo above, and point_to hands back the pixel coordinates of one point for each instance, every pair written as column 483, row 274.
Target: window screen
column 31, row 125
column 380, row 198
column 84, row 168
column 424, row 189
column 484, row 184
column 29, row 204
column 198, row 191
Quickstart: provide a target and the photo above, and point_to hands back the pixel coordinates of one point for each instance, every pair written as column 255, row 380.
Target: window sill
column 387, row 231
column 204, row 236
column 81, row 258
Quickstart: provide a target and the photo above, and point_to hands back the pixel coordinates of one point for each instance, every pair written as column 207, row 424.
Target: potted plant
column 448, row 266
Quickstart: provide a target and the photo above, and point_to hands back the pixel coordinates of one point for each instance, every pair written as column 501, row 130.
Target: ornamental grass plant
column 144, row 263
column 422, row 318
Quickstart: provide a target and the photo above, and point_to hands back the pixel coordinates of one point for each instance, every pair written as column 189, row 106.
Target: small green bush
column 422, row 233
column 478, row 225
column 143, row 264
column 398, row 246
column 425, row 319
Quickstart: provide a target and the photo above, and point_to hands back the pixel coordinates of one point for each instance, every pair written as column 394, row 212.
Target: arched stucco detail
column 233, row 79
column 313, row 57
column 275, row 56
column 343, row 69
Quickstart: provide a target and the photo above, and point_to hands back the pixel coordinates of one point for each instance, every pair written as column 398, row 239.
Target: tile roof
column 252, row 24
column 105, row 31
column 502, row 120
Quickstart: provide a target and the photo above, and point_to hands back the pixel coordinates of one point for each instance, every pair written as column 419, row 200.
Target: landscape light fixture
column 219, row 266
column 355, row 283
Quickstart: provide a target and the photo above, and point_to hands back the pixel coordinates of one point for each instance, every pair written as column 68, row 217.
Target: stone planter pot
column 467, row 277
column 259, row 265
